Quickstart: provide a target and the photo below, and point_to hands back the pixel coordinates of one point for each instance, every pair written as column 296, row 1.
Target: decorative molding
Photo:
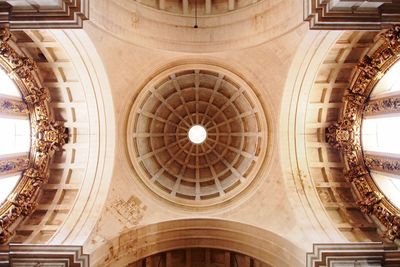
column 68, row 14
column 129, row 212
column 383, row 164
column 351, row 15
column 141, row 242
column 353, row 254
column 40, row 255
column 229, row 161
column 13, row 165
column 47, row 136
column 13, row 107
column 382, row 106
column 345, row 134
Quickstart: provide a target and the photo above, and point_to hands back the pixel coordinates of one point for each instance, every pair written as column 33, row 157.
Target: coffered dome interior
column 197, row 135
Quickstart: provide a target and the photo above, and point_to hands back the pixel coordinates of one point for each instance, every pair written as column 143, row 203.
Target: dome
column 196, row 135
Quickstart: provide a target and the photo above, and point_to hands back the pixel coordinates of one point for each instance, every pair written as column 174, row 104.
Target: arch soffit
column 320, row 73
column 72, row 70
column 142, row 242
column 94, row 188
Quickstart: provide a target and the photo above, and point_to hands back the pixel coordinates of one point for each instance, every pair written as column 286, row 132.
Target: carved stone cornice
column 356, row 15
column 42, row 255
column 345, row 134
column 47, row 136
column 353, row 254
column 67, row 14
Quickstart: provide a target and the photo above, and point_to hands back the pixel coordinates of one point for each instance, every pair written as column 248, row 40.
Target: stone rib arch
column 81, row 172
column 249, row 240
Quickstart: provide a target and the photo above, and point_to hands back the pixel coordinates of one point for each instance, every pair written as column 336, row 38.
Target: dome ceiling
column 201, row 8
column 197, row 136
column 221, row 25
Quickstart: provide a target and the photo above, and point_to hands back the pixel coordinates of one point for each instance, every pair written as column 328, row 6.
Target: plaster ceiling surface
column 136, row 73
column 256, row 23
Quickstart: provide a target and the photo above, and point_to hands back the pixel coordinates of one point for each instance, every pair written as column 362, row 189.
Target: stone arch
column 139, row 243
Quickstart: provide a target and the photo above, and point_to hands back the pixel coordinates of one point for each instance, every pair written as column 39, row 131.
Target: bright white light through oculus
column 197, row 134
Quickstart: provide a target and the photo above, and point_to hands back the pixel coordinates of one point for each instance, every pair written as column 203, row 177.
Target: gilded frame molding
column 47, row 136
column 345, row 134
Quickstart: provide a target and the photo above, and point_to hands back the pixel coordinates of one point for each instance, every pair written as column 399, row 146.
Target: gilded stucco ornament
column 382, row 164
column 47, row 136
column 382, row 106
column 345, row 134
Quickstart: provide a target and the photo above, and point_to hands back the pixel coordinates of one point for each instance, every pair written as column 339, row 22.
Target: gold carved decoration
column 379, row 163
column 12, row 165
column 9, row 106
column 345, row 134
column 47, row 136
column 382, row 106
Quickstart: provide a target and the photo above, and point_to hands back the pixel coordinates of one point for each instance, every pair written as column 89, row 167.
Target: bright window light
column 390, row 186
column 197, row 134
column 7, row 184
column 14, row 136
column 389, row 83
column 381, row 135
column 7, row 86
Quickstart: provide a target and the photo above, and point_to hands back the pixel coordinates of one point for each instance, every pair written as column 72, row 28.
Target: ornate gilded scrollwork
column 369, row 200
column 13, row 165
column 382, row 106
column 382, row 164
column 47, row 136
column 345, row 134
column 392, row 38
column 51, row 135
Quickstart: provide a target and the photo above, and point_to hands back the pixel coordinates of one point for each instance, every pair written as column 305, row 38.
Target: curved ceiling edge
column 301, row 76
column 265, row 129
column 94, row 189
column 345, row 134
column 146, row 27
column 139, row 243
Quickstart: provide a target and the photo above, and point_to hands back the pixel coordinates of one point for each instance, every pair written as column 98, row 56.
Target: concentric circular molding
column 202, row 172
column 248, row 25
column 189, row 8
